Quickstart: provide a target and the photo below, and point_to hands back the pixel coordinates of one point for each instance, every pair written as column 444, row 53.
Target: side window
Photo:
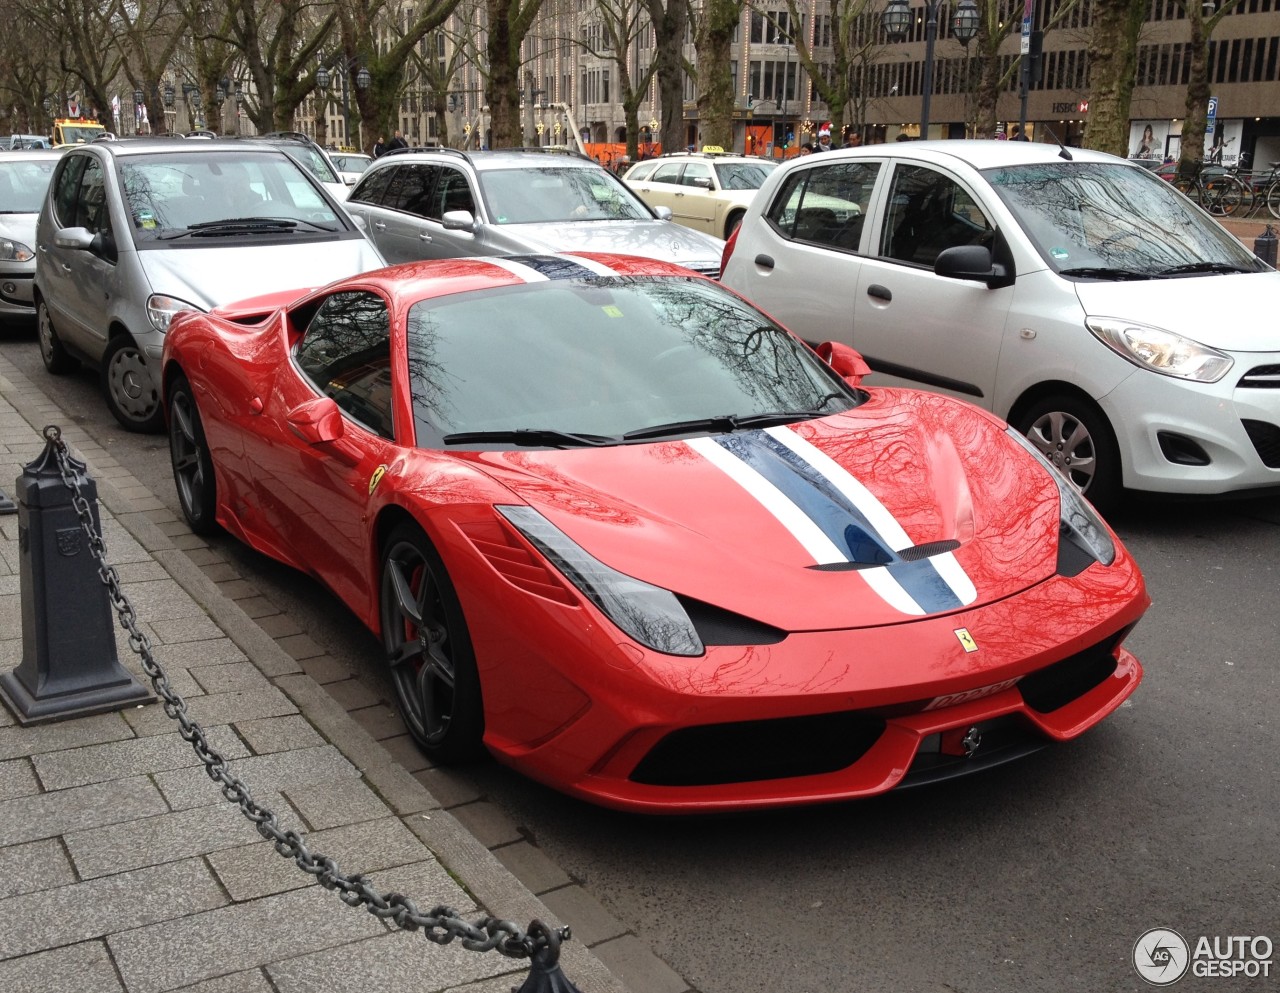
column 825, row 205
column 452, row 193
column 410, row 190
column 372, row 186
column 346, row 353
column 91, row 206
column 668, row 172
column 67, row 190
column 929, row 212
column 697, row 174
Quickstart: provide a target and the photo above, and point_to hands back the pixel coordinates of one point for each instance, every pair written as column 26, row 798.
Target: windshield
column 168, row 195
column 23, row 185
column 72, row 133
column 604, row 357
column 351, row 163
column 743, row 175
column 315, row 161
column 558, row 193
column 1107, row 216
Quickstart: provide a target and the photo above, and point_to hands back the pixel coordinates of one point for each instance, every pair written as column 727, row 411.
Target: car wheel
column 192, row 464
column 132, row 394
column 429, row 649
column 1075, row 436
column 731, row 225
column 55, row 357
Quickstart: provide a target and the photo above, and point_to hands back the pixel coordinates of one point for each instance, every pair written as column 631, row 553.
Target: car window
column 668, row 172
column 452, row 192
column 641, row 171
column 695, row 171
column 410, row 189
column 927, row 213
column 68, row 189
column 23, row 185
column 743, row 175
column 346, row 353
column 373, row 186
column 315, row 162
column 564, row 193
column 825, row 205
column 91, row 203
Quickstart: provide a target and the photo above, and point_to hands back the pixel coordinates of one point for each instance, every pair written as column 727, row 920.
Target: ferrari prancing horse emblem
column 966, row 640
column 376, row 478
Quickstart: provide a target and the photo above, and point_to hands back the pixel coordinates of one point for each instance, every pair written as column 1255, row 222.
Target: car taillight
column 728, row 249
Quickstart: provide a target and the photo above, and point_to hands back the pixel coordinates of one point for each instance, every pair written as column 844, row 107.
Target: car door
column 366, row 203
column 661, row 186
column 914, row 327
column 453, row 192
column 692, row 204
column 409, row 235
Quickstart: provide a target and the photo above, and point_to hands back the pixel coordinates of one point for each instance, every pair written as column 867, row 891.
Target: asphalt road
column 1037, row 876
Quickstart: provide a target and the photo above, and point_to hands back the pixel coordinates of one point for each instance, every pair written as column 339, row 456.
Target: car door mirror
column 79, row 239
column 458, row 220
column 701, row 182
column 844, row 361
column 974, row 263
column 317, row 421
column 662, row 213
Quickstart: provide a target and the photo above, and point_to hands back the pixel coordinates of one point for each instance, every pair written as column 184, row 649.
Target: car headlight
column 15, row 251
column 1161, row 351
column 161, row 310
column 1079, row 523
column 649, row 614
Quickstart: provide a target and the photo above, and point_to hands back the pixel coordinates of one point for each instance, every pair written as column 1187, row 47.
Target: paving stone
column 488, row 823
column 47, row 919
column 336, row 802
column 137, row 756
column 586, row 915
column 16, row 741
column 220, row 571
column 230, row 678
column 186, row 542
column 279, row 625
column 82, row 968
column 179, row 952
column 17, row 779
column 257, row 606
column 170, row 632
column 279, row 734
column 140, row 572
column 447, row 787
column 531, row 866
column 50, row 814
column 34, row 866
column 237, row 982
column 164, row 838
column 194, row 654
column 354, row 694
column 205, row 555
column 299, row 646
column 325, row 669
column 258, row 870
column 640, row 970
column 215, row 708
column 403, row 749
column 275, row 772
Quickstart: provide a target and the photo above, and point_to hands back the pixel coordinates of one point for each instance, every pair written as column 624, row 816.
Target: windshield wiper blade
column 1194, row 267
column 721, row 424
column 1103, row 272
column 534, row 437
column 249, row 222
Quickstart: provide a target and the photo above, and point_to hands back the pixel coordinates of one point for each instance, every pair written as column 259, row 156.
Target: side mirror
column 701, row 182
column 845, row 361
column 458, row 220
column 974, row 263
column 662, row 213
column 317, row 421
column 76, row 238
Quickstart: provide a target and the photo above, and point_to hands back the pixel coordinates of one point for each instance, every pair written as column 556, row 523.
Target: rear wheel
column 54, row 356
column 132, row 393
column 1273, row 199
column 429, row 649
column 1075, row 437
column 192, row 464
column 731, row 225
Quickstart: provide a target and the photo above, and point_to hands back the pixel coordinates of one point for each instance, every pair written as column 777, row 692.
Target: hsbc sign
column 1072, row 107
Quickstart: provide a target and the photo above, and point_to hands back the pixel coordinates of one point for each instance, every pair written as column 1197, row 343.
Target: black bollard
column 69, row 665
column 545, row 974
column 1264, row 246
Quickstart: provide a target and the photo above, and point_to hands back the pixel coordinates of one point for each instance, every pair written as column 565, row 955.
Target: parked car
column 24, row 178
column 442, row 203
column 707, row 191
column 1072, row 292
column 311, row 157
column 615, row 524
column 19, row 141
column 133, row 231
column 350, row 165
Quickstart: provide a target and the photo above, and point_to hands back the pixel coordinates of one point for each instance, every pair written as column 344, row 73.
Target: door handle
column 424, row 235
column 379, row 226
column 879, row 292
column 764, row 261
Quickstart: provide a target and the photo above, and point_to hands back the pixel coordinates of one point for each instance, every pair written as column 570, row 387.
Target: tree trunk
column 714, row 43
column 1196, row 118
column 1113, row 58
column 669, row 25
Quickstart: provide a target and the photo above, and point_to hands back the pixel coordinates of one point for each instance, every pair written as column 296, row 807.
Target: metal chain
column 441, row 925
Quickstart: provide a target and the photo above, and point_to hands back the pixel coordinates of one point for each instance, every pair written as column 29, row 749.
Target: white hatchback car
column 1074, row 293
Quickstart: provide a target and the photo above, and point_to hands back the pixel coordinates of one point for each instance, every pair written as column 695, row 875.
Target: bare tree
column 148, row 36
column 1112, row 58
column 670, row 20
column 89, row 51
column 1195, row 118
column 621, row 22
column 509, row 21
column 29, row 75
column 713, row 41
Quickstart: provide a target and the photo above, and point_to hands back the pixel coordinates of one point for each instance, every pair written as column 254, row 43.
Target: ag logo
column 1161, row 956
column 966, row 640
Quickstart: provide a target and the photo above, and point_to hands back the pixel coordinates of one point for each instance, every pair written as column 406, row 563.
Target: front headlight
column 161, row 310
column 1161, row 351
column 649, row 614
column 15, row 251
column 1079, row 523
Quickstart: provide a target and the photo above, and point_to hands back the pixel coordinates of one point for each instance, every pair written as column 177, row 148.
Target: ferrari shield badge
column 376, row 478
column 966, row 640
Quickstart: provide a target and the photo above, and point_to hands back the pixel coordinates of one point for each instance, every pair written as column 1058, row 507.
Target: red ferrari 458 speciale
column 617, row 526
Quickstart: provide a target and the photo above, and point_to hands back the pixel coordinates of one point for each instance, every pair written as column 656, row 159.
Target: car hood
column 910, row 505
column 654, row 239
column 211, row 276
column 19, row 227
column 1193, row 306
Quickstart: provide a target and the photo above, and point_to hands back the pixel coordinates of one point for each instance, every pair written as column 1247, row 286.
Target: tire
column 52, row 352
column 429, row 650
column 1273, row 199
column 132, row 395
column 731, row 225
column 192, row 464
column 1074, row 435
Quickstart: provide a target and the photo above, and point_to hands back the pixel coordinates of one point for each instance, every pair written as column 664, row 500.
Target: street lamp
column 342, row 69
column 897, row 18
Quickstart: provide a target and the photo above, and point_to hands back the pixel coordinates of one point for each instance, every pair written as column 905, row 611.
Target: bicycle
column 1217, row 190
column 1267, row 190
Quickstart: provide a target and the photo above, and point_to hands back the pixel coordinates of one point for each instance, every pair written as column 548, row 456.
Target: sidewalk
column 122, row 868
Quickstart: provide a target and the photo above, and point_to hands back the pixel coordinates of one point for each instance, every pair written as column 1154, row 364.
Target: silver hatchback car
column 24, row 177
column 443, row 203
column 131, row 232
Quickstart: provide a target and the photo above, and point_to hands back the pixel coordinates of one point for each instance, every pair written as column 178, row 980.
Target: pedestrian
column 824, row 139
column 806, row 148
column 380, row 146
column 396, row 142
column 1016, row 134
column 852, row 139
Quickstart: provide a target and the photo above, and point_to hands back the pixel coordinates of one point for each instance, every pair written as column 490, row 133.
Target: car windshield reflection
column 546, row 195
column 1088, row 218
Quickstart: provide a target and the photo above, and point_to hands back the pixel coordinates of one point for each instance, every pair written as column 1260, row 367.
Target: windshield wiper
column 535, row 437
column 1194, row 267
column 721, row 424
column 1103, row 272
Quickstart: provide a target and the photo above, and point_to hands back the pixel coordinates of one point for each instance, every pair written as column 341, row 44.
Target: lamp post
column 168, row 96
column 343, row 69
column 896, row 19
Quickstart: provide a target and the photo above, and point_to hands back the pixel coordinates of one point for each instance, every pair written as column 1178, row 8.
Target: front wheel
column 429, row 649
column 52, row 353
column 133, row 395
column 1076, row 438
column 192, row 464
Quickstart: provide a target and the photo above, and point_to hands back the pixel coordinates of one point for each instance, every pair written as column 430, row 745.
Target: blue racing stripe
column 554, row 266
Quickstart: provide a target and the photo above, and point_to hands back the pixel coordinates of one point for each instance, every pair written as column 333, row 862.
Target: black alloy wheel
column 192, row 464
column 52, row 353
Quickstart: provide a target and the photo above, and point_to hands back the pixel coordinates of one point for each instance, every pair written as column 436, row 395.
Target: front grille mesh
column 1266, row 440
column 1261, row 377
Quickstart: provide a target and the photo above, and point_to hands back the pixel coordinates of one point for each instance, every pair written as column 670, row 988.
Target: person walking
column 1016, row 134
column 379, row 146
column 396, row 142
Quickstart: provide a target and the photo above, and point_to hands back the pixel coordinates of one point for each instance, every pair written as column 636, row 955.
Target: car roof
column 31, row 154
column 980, row 153
column 498, row 158
column 126, row 147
